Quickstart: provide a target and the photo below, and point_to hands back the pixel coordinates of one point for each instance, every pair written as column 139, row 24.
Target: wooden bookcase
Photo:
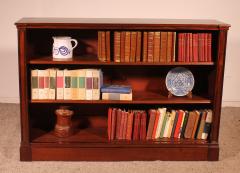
column 90, row 142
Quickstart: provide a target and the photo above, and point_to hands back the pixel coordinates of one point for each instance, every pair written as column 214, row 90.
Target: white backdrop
column 11, row 11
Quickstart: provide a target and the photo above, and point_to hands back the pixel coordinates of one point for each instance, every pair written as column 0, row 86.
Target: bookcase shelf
column 90, row 140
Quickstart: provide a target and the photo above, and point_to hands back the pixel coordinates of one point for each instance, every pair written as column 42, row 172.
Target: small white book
column 160, row 121
column 34, row 84
column 60, row 85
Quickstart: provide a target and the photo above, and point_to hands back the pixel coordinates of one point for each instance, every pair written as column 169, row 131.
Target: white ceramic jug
column 62, row 47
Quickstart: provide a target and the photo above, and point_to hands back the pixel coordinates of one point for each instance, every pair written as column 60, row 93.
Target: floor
column 10, row 139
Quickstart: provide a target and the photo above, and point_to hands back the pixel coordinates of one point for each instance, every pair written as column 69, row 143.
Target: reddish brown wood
column 89, row 142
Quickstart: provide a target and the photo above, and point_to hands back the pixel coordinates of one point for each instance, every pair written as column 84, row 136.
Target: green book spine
column 163, row 125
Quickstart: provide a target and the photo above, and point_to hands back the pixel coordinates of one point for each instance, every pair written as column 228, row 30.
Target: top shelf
column 93, row 61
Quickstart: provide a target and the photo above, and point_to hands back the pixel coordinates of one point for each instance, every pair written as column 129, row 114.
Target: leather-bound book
column 127, row 46
column 108, row 47
column 163, row 48
column 100, row 45
column 187, row 43
column 178, row 125
column 180, row 131
column 129, row 126
column 150, row 46
column 156, row 47
column 117, row 37
column 180, row 47
column 136, row 130
column 205, row 47
column 207, row 125
column 122, row 47
column 184, row 124
column 125, row 125
column 109, row 123
column 103, row 46
column 168, row 120
column 174, row 124
column 145, row 46
column 209, row 47
column 190, row 47
column 174, row 47
column 169, row 46
column 152, row 116
column 201, row 126
column 138, row 49
column 133, row 46
column 201, row 47
column 162, row 112
column 155, row 124
column 113, row 123
column 143, row 125
column 195, row 48
column 118, row 123
column 197, row 116
column 121, row 125
column 190, row 125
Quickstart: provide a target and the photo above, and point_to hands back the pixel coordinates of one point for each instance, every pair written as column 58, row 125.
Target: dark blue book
column 116, row 89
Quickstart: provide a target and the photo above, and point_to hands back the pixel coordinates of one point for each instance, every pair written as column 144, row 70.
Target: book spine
column 129, row 126
column 109, row 123
column 180, row 37
column 100, row 45
column 67, row 85
column 174, row 47
column 52, row 87
column 152, row 114
column 156, row 47
column 143, row 126
column 74, row 84
column 41, row 84
column 127, row 46
column 46, row 84
column 178, row 125
column 205, row 47
column 81, row 84
column 172, row 118
column 145, row 46
column 169, row 46
column 136, row 130
column 60, row 84
column 184, row 124
column 96, row 84
column 201, row 126
column 108, row 47
column 155, row 124
column 122, row 90
column 163, row 125
column 116, row 96
column 122, row 47
column 174, row 124
column 195, row 124
column 118, row 123
column 195, row 48
column 207, row 125
column 181, row 126
column 125, row 125
column 187, row 43
column 190, row 47
column 113, row 123
column 162, row 112
column 117, row 49
column 133, row 46
column 209, row 47
column 138, row 51
column 163, row 49
column 165, row 134
column 103, row 46
column 150, row 47
column 121, row 125
column 34, row 85
column 89, row 84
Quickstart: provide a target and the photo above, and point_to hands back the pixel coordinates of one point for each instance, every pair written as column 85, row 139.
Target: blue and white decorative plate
column 179, row 81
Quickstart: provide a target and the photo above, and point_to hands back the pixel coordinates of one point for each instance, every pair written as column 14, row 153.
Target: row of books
column 79, row 84
column 194, row 47
column 158, row 123
column 127, row 46
column 104, row 46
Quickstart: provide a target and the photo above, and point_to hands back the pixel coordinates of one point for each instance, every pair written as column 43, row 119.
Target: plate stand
column 189, row 95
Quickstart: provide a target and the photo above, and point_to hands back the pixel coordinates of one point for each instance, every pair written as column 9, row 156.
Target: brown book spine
column 109, row 123
column 119, row 118
column 108, row 47
column 125, row 125
column 127, row 46
column 156, row 47
column 136, row 130
column 174, row 47
column 195, row 47
column 113, row 123
column 201, row 47
column 152, row 115
column 187, row 43
column 190, row 125
column 209, row 47
column 145, row 46
column 169, row 46
column 150, row 46
column 180, row 47
column 201, row 126
column 99, row 45
column 117, row 37
column 143, row 125
column 138, row 51
column 133, row 46
column 163, row 48
column 205, row 47
column 195, row 124
column 129, row 126
column 122, row 125
column 122, row 47
column 190, row 47
column 103, row 46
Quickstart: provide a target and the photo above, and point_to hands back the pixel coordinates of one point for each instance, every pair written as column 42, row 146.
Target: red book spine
column 119, row 118
column 205, row 47
column 178, row 126
column 195, row 47
column 109, row 123
column 184, row 47
column 155, row 124
column 191, row 47
column 125, row 125
column 187, row 43
column 143, row 129
column 129, row 126
column 209, row 45
column 180, row 37
column 136, row 129
column 200, row 47
column 113, row 123
column 121, row 125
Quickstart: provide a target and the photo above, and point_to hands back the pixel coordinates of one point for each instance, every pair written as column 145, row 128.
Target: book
column 163, row 125
column 136, row 130
column 113, row 123
column 150, row 47
column 129, row 126
column 60, row 85
column 109, row 123
column 201, row 126
column 52, row 84
column 195, row 48
column 145, row 46
column 180, row 47
column 122, row 47
column 34, row 84
column 124, row 89
column 117, row 44
column 103, row 46
column 143, row 125
column 179, row 122
column 108, row 47
column 190, row 47
column 74, row 85
column 89, row 84
column 209, row 47
column 67, row 85
column 133, row 46
column 152, row 116
column 183, row 117
column 121, row 129
column 169, row 46
column 162, row 112
column 184, row 123
column 174, row 124
column 156, row 47
column 207, row 125
column 125, row 125
column 97, row 79
column 155, row 124
column 163, row 48
column 138, row 47
column 190, row 125
column 100, row 45
column 117, row 96
column 127, row 46
column 81, row 74
column 118, row 122
column 197, row 115
column 174, row 47
column 172, row 118
column 168, row 120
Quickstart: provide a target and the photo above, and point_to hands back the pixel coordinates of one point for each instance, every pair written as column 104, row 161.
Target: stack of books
column 159, row 46
column 194, row 47
column 104, row 46
column 79, row 84
column 131, row 125
column 127, row 46
column 116, row 92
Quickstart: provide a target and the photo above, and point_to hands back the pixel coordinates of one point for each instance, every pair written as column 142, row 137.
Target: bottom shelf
column 45, row 146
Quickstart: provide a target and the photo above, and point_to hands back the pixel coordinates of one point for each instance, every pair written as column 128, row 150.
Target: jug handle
column 75, row 43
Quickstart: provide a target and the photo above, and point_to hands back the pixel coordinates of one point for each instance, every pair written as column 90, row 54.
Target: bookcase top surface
column 44, row 22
